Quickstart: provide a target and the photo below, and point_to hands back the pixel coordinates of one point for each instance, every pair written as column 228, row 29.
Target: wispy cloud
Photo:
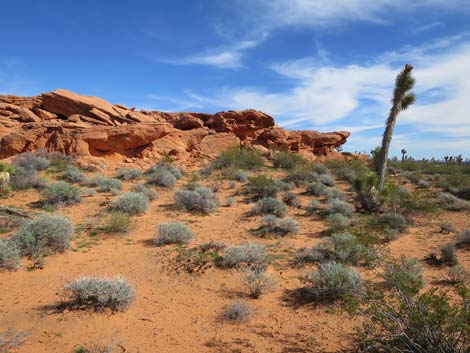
column 428, row 27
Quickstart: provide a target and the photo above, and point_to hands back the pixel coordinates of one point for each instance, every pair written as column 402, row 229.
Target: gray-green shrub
column 238, row 312
column 337, row 221
column 73, row 175
column 143, row 189
column 317, row 189
column 165, row 166
column 105, row 184
column 132, row 203
column 128, row 174
column 239, row 158
column 287, row 160
column 22, row 178
column 99, row 293
column 272, row 224
column 173, row 233
column 30, row 161
column 200, row 199
column 395, row 221
column 115, row 222
column 327, row 180
column 339, row 206
column 61, row 193
column 404, row 275
column 257, row 282
column 48, row 234
column 249, row 254
column 269, row 205
column 162, row 178
column 10, row 258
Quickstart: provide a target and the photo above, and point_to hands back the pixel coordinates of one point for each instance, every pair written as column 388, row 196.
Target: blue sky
column 312, row 64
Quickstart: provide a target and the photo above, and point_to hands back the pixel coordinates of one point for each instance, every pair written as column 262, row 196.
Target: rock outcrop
column 90, row 126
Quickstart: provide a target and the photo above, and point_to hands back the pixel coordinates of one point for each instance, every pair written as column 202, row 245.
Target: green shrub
column 463, row 239
column 47, row 234
column 128, row 174
column 22, row 178
column 272, row 224
column 99, row 293
column 404, row 275
column 200, row 200
column 431, row 322
column 249, row 254
column 302, row 175
column 10, row 258
column 261, row 186
column 269, row 205
column 6, row 168
column 142, row 189
column 240, row 175
column 105, row 184
column 291, row 199
column 132, row 203
column 257, row 282
column 334, row 193
column 173, row 233
column 451, row 202
column 73, row 175
column 287, row 160
column 314, row 206
column 337, row 221
column 327, row 180
column 395, row 221
column 457, row 274
column 343, row 248
column 240, row 158
column 229, row 201
column 333, row 281
column 338, row 206
column 320, row 168
column 165, row 167
column 116, row 222
column 238, row 312
column 31, row 161
column 61, row 193
column 317, row 189
column 162, row 178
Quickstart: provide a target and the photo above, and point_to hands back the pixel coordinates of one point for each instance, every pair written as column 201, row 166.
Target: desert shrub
column 395, row 221
column 31, row 161
column 291, row 199
column 327, row 180
column 212, row 245
column 337, row 221
column 257, row 282
column 287, row 160
column 162, row 178
column 173, row 233
column 269, row 205
column 448, row 254
column 261, row 186
column 240, row 175
column 238, row 312
column 105, row 184
column 301, row 175
column 192, row 185
column 333, row 281
column 463, row 239
column 458, row 274
column 165, row 167
column 47, row 234
column 283, row 185
column 72, row 175
column 232, row 185
column 348, row 170
column 249, row 254
column 116, row 222
column 334, row 193
column 422, row 184
column 404, row 275
column 57, row 159
column 229, row 201
column 317, row 189
column 61, row 193
column 338, row 206
column 10, row 258
column 22, row 178
column 200, row 200
column 451, row 202
column 99, row 293
column 132, row 203
column 390, row 234
column 142, row 189
column 128, row 174
column 446, row 227
column 342, row 248
column 88, row 192
column 314, row 206
column 430, row 322
column 12, row 339
column 320, row 168
column 272, row 224
column 240, row 158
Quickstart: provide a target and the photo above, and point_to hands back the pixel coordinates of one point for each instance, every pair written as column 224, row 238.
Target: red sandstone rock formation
column 89, row 126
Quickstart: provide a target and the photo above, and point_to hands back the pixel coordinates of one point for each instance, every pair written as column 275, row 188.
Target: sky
column 324, row 65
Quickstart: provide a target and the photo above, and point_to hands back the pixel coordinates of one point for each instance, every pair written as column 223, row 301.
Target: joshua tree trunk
column 402, row 99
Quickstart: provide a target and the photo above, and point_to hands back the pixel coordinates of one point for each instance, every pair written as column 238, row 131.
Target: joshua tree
column 402, row 99
column 403, row 154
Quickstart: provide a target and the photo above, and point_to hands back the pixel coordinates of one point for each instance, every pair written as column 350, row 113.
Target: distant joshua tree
column 403, row 154
column 402, row 99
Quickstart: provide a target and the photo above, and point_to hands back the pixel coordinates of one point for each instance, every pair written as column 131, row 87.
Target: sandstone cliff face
column 89, row 126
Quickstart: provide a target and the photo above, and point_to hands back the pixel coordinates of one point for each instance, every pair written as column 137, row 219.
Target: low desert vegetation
column 200, row 199
column 244, row 158
column 104, row 184
column 31, row 161
column 237, row 312
column 10, row 257
column 257, row 282
column 246, row 254
column 61, row 193
column 261, row 186
column 143, row 189
column 173, row 233
column 128, row 174
column 131, row 203
column 281, row 226
column 22, row 178
column 164, row 167
column 11, row 339
column 270, row 206
column 287, row 160
column 98, row 294
column 115, row 222
column 72, row 174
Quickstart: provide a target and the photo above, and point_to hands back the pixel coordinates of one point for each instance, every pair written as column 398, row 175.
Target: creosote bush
column 61, row 193
column 10, row 258
column 274, row 225
column 238, row 312
column 257, row 282
column 116, row 222
column 200, row 199
column 46, row 234
column 248, row 254
column 128, row 174
column 99, row 293
column 143, row 189
column 239, row 158
column 173, row 233
column 333, row 281
column 269, row 205
column 132, row 203
column 287, row 160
